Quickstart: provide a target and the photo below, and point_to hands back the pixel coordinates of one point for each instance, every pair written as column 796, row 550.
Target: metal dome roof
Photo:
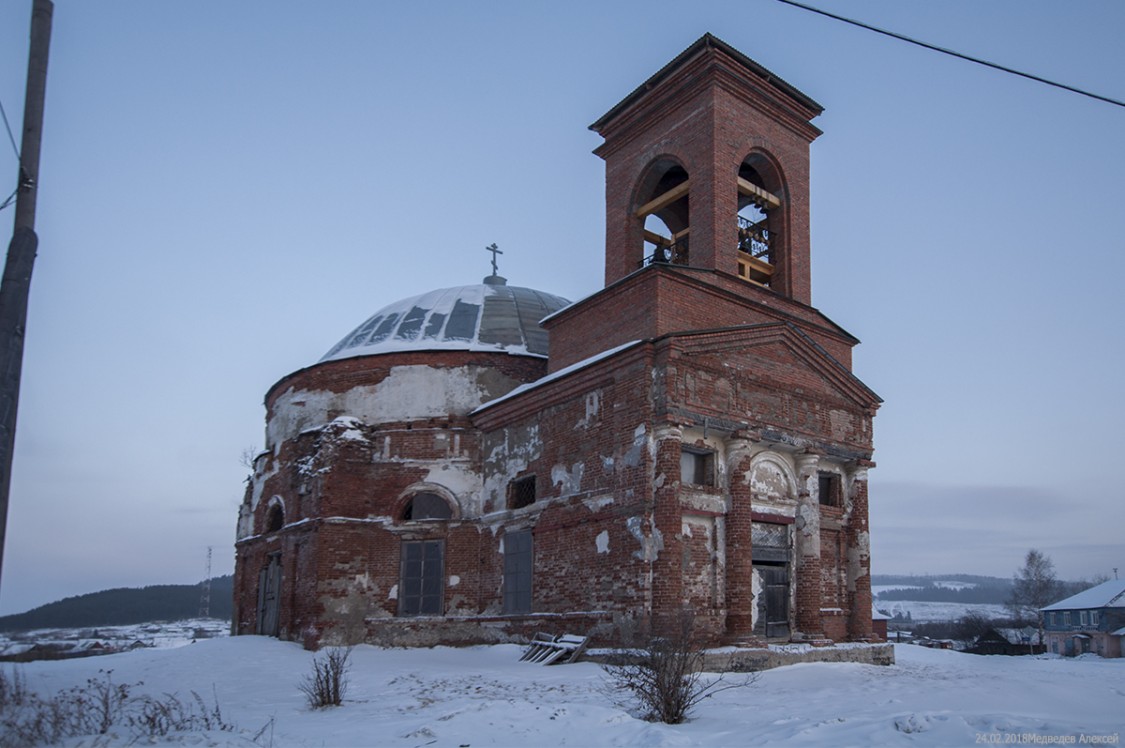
column 491, row 316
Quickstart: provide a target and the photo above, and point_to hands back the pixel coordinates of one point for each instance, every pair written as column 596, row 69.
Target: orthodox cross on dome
column 495, row 251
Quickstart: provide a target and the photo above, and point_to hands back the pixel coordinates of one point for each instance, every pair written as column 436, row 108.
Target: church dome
column 490, row 317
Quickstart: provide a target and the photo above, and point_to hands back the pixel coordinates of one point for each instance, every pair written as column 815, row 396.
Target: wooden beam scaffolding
column 666, row 199
column 764, row 200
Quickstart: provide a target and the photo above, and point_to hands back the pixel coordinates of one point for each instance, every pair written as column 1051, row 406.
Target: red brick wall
column 665, row 299
column 709, row 115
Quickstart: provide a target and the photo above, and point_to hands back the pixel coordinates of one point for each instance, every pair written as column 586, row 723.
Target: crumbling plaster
column 407, row 393
column 508, row 453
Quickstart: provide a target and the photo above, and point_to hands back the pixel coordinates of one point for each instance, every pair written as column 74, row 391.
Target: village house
column 1091, row 621
column 485, row 462
column 999, row 640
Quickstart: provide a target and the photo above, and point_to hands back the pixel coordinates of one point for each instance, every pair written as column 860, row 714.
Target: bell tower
column 707, row 210
column 707, row 166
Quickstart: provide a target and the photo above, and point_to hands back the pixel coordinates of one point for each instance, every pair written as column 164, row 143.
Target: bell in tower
column 707, row 166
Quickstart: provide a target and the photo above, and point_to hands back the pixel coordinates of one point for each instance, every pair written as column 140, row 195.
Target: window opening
column 521, row 492
column 427, row 506
column 275, row 518
column 697, row 467
column 422, row 587
column 518, row 565
column 665, row 216
column 828, row 488
column 757, row 238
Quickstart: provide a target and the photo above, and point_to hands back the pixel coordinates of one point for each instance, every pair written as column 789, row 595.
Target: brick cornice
column 743, row 338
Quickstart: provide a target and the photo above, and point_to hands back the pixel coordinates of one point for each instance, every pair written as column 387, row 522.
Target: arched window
column 427, row 506
column 664, row 205
column 759, row 220
column 275, row 518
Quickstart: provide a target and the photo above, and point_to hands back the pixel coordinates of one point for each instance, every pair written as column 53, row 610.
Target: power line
column 952, row 53
column 8, row 127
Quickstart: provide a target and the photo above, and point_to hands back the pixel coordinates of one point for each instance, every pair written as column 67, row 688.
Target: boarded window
column 518, row 563
column 422, row 588
column 697, row 467
column 427, row 506
column 521, row 492
column 769, row 542
column 828, row 486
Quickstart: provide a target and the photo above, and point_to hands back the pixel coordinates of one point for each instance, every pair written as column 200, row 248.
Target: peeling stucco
column 593, row 410
column 407, row 393
column 568, row 481
column 858, row 556
column 636, row 451
column 651, row 544
column 507, row 458
column 597, row 503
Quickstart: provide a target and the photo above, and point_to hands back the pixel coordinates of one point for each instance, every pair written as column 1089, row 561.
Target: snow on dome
column 491, row 316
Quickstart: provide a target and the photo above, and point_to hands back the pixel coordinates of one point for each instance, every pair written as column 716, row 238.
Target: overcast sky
column 229, row 188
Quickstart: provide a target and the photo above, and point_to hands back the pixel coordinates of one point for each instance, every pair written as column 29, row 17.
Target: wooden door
column 269, row 597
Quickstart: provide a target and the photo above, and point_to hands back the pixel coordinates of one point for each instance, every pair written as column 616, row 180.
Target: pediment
column 779, row 349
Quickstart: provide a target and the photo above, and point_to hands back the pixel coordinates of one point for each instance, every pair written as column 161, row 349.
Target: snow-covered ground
column 483, row 696
column 161, row 634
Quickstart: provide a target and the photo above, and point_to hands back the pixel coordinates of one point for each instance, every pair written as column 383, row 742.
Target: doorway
column 269, row 597
column 770, row 557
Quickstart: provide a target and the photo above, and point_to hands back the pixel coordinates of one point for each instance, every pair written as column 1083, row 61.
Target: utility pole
column 16, row 282
column 205, row 594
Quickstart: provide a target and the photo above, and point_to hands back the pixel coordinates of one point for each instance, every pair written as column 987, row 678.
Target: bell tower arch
column 716, row 149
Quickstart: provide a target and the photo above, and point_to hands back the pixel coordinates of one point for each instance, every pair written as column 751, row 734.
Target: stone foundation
column 776, row 655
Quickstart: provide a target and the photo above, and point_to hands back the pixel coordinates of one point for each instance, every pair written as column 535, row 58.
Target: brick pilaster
column 667, row 522
column 859, row 560
column 807, row 552
column 739, row 566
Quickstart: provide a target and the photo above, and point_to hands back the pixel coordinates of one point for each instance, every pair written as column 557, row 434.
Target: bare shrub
column 13, row 691
column 96, row 708
column 169, row 714
column 665, row 678
column 328, row 682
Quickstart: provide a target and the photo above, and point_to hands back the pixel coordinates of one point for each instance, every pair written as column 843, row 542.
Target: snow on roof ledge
column 1109, row 594
column 556, row 375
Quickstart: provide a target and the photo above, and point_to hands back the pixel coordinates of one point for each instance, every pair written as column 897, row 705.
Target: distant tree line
column 996, row 593
column 124, row 606
column 989, row 590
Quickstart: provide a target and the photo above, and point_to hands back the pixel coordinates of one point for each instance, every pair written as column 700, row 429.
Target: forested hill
column 962, row 588
column 118, row 607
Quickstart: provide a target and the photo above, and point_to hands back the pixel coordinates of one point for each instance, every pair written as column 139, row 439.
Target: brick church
column 480, row 463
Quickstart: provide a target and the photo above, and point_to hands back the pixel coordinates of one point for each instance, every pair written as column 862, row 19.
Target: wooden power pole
column 16, row 283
